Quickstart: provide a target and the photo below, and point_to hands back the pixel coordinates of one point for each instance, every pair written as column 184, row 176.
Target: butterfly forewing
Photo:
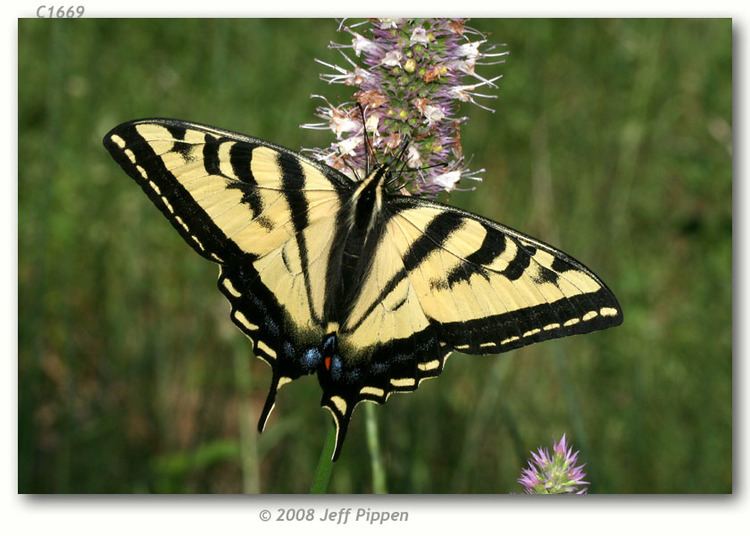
column 491, row 288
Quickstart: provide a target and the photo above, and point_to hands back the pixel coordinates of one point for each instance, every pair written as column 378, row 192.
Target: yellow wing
column 263, row 213
column 445, row 279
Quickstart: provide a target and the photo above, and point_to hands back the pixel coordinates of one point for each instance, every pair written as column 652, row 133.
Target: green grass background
column 612, row 139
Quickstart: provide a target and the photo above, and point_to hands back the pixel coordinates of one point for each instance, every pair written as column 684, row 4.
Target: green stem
column 325, row 464
column 373, row 445
column 248, row 438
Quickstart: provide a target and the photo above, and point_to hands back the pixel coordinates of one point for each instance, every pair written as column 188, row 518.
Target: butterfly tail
column 270, row 403
column 341, row 411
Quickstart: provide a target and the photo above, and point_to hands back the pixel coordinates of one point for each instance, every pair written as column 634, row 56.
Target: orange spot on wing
column 327, row 362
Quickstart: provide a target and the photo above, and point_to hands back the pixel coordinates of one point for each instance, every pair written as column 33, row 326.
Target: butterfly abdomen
column 359, row 229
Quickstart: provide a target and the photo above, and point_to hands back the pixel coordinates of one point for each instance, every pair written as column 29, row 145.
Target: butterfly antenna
column 354, row 171
column 399, row 156
column 345, row 160
column 402, row 149
column 440, row 164
column 369, row 151
column 396, row 177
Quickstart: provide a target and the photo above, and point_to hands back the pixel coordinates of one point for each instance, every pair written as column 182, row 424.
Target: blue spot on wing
column 337, row 368
column 272, row 327
column 353, row 375
column 311, row 359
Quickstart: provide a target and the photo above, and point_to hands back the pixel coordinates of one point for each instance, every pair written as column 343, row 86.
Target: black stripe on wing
column 435, row 234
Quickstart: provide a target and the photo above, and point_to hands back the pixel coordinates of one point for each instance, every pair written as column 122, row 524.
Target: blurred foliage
column 612, row 139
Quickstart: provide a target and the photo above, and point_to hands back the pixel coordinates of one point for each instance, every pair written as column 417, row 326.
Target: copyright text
column 341, row 516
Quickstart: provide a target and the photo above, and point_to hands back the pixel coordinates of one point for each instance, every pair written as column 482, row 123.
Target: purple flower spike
column 410, row 75
column 556, row 473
